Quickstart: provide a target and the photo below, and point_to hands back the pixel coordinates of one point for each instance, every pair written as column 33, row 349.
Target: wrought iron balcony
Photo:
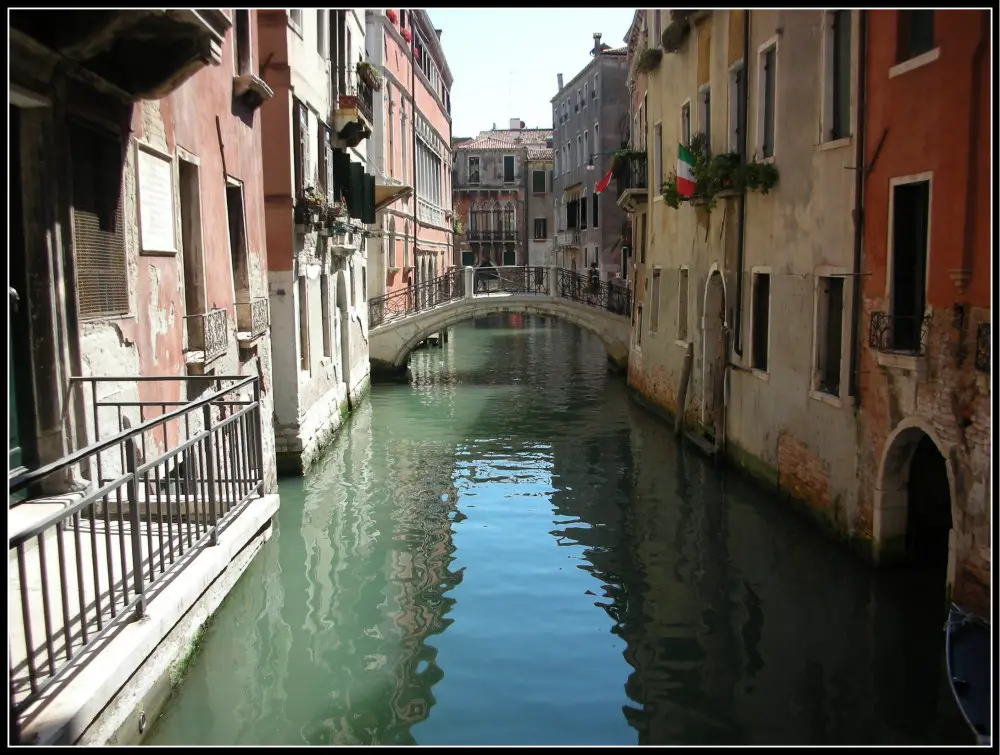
column 208, row 336
column 252, row 318
column 353, row 110
column 630, row 175
column 906, row 334
column 366, row 99
column 983, row 347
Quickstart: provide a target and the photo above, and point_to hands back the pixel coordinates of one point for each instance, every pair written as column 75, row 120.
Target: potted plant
column 407, row 35
column 649, row 59
column 370, row 75
column 391, row 15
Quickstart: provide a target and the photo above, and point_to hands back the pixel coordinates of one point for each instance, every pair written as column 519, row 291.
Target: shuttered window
column 98, row 223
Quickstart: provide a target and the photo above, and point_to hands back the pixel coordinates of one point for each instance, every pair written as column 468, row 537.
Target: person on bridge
column 484, row 274
column 594, row 278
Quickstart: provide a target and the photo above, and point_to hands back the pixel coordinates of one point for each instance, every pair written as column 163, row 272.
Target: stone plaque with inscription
column 156, row 203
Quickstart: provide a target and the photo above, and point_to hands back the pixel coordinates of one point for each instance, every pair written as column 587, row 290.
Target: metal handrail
column 141, row 523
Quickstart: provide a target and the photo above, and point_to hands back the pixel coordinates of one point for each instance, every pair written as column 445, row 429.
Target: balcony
column 633, row 185
column 141, row 54
column 567, row 239
column 428, row 213
column 352, row 117
column 898, row 334
column 252, row 320
column 168, row 490
column 208, row 338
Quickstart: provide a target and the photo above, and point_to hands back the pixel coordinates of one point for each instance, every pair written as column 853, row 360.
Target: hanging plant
column 313, row 199
column 370, row 75
column 676, row 32
column 407, row 35
column 649, row 59
column 391, row 15
column 456, row 226
column 717, row 173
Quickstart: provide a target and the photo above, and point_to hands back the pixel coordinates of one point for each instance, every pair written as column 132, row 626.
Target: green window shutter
column 341, row 174
column 369, row 216
column 355, row 190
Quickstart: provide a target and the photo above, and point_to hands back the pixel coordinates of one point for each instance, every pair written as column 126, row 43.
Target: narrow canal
column 508, row 551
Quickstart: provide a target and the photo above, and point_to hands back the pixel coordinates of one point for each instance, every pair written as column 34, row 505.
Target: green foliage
column 716, row 173
column 649, row 59
column 676, row 32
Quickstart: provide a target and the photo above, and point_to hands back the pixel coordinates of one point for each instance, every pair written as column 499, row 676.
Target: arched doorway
column 713, row 360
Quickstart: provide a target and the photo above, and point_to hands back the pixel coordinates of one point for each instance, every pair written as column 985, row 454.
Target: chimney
column 516, row 124
column 494, row 125
column 559, row 79
column 597, row 44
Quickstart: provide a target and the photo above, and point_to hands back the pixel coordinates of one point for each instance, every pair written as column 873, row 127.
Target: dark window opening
column 915, row 33
column 642, row 240
column 508, row 169
column 840, row 121
column 595, row 205
column 300, row 145
column 304, row 361
column 910, row 207
column 541, row 228
column 241, row 29
column 767, row 142
column 739, row 78
column 572, row 210
column 583, row 213
column 343, row 51
column 761, row 310
column 473, row 170
column 238, row 243
column 830, row 316
column 706, row 115
column 538, row 181
column 509, row 257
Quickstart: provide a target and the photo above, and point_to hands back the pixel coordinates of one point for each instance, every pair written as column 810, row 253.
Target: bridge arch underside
column 392, row 343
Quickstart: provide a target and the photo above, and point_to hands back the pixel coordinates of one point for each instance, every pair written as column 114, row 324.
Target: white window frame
column 893, row 183
column 322, row 33
column 686, row 115
column 586, row 147
column 468, row 169
column 544, row 183
column 770, row 44
column 593, row 93
column 754, row 272
column 585, row 97
column 655, row 298
column 236, row 47
column 658, row 157
column 579, row 150
column 818, row 274
column 705, row 114
column 293, row 22
column 733, row 106
column 637, row 330
column 684, row 298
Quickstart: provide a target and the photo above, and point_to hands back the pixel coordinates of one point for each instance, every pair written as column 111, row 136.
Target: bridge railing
column 424, row 295
column 601, row 294
column 512, row 279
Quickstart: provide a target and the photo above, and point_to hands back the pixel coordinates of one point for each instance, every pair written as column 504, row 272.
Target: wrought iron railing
column 366, row 99
column 605, row 295
column 630, row 172
column 512, row 279
column 902, row 333
column 424, row 295
column 159, row 491
column 475, row 234
column 209, row 333
column 983, row 347
column 253, row 317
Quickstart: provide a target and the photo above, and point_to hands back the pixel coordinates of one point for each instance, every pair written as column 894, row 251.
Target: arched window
column 473, row 221
column 497, row 217
column 487, row 215
column 390, row 254
column 406, row 243
column 509, row 217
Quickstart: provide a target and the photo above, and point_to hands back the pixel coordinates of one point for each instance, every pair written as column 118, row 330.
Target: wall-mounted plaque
column 157, row 230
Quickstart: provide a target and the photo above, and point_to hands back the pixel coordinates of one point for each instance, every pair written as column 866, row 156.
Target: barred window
column 98, row 223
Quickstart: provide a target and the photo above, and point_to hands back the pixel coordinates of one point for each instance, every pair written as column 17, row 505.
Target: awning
column 386, row 194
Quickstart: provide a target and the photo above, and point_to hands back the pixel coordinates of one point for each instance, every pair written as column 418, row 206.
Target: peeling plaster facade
column 941, row 394
column 316, row 281
column 411, row 147
column 198, row 131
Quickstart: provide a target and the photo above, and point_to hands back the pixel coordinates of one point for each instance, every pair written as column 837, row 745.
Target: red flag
column 603, row 183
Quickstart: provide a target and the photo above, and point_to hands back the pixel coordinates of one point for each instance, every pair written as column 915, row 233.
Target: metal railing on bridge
column 88, row 563
column 513, row 279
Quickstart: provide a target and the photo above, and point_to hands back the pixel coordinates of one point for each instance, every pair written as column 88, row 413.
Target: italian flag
column 685, row 171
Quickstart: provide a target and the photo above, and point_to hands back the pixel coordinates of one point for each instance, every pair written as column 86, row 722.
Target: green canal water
column 509, row 551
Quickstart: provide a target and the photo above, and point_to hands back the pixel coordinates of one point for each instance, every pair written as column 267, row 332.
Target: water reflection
column 508, row 551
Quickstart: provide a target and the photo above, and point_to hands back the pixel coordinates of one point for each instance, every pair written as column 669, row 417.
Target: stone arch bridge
column 399, row 321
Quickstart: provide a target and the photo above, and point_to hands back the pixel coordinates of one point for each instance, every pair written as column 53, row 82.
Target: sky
column 505, row 61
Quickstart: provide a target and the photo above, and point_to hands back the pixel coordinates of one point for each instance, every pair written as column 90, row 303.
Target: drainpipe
column 742, row 214
column 860, row 173
column 972, row 165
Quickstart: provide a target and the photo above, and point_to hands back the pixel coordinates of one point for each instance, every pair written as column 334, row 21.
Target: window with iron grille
column 914, row 33
column 98, row 223
column 541, row 230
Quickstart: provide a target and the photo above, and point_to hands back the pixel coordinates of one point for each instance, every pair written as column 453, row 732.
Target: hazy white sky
column 505, row 61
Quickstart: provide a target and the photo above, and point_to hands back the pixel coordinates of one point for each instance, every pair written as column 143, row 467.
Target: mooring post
column 470, row 282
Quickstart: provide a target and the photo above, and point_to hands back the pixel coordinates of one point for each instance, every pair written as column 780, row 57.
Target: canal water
column 508, row 551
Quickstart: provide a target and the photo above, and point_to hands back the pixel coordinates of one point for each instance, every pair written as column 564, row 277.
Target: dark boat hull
column 967, row 649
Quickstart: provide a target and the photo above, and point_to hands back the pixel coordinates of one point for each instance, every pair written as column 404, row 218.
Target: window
column 595, row 212
column 682, row 305
column 737, row 108
column 321, row 30
column 585, row 97
column 98, row 223
column 579, row 99
column 473, row 170
column 579, row 150
column 324, row 305
column 839, row 83
column 238, row 242
column 686, row 124
column 583, row 213
column 638, row 325
column 705, row 114
column 402, row 19
column 914, row 33
column 468, row 258
column 642, row 240
column 390, row 257
column 829, row 328
column 759, row 331
column 509, row 257
column 658, row 157
column 765, row 118
column 304, row 362
column 587, row 154
column 538, row 181
column 907, row 296
column 593, row 92
column 295, row 19
column 241, row 35
column 655, row 41
column 508, row 169
column 541, row 231
column 654, row 303
column 300, row 143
